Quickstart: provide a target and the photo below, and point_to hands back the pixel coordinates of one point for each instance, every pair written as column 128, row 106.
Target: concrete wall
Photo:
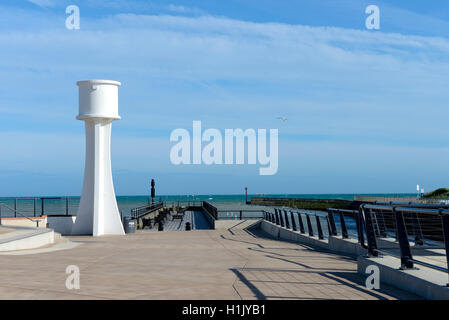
column 290, row 235
column 28, row 241
column 61, row 224
column 343, row 246
column 24, row 222
column 422, row 281
column 346, row 246
column 235, row 224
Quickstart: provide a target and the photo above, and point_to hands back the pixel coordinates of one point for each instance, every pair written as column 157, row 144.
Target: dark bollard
column 188, row 226
column 160, row 226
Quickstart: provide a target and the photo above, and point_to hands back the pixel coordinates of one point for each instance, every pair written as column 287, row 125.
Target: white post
column 98, row 213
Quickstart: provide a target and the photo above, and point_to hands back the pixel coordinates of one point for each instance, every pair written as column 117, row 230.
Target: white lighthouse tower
column 98, row 212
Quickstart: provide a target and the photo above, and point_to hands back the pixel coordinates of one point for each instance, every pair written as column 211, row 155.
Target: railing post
column 276, row 216
column 333, row 227
column 417, row 230
column 15, row 207
column 287, row 224
column 42, row 207
column 293, row 221
column 67, row 206
column 241, row 215
column 404, row 245
column 309, row 225
column 320, row 231
column 344, row 230
column 281, row 219
column 445, row 221
column 34, row 207
column 359, row 226
column 370, row 235
column 301, row 224
column 329, row 230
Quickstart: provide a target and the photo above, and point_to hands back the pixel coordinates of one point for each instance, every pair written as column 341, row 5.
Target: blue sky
column 367, row 109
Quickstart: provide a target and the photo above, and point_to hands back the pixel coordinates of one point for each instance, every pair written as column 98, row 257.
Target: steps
column 23, row 238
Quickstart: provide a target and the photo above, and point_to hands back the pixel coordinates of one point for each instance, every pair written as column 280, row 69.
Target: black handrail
column 407, row 260
column 15, row 214
column 210, row 209
column 139, row 212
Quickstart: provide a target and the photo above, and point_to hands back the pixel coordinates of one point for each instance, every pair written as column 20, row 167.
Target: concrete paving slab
column 201, row 264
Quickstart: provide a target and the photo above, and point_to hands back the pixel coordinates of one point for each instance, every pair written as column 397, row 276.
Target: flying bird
column 282, row 118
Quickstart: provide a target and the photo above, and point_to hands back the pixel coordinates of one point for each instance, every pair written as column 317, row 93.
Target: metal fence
column 239, row 214
column 304, row 222
column 210, row 209
column 4, row 206
column 35, row 207
column 417, row 234
column 144, row 210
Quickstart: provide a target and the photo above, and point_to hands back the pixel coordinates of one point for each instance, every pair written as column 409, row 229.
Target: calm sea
column 55, row 205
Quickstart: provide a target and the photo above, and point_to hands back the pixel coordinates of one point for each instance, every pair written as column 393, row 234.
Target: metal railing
column 390, row 230
column 320, row 225
column 15, row 214
column 344, row 216
column 239, row 214
column 39, row 206
column 210, row 209
column 180, row 204
column 139, row 212
column 308, row 223
column 383, row 229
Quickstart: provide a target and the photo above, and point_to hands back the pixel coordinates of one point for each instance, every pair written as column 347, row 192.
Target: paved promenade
column 201, row 264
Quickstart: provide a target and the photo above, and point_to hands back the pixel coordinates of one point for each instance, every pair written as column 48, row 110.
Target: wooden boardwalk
column 201, row 264
column 196, row 220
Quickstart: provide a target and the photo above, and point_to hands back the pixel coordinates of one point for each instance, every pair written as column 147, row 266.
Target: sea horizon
column 56, row 205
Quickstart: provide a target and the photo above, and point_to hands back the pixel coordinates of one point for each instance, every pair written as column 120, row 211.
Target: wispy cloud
column 43, row 3
column 183, row 9
column 362, row 92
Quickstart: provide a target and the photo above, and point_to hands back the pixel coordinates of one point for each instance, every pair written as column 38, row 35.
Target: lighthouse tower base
column 98, row 213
